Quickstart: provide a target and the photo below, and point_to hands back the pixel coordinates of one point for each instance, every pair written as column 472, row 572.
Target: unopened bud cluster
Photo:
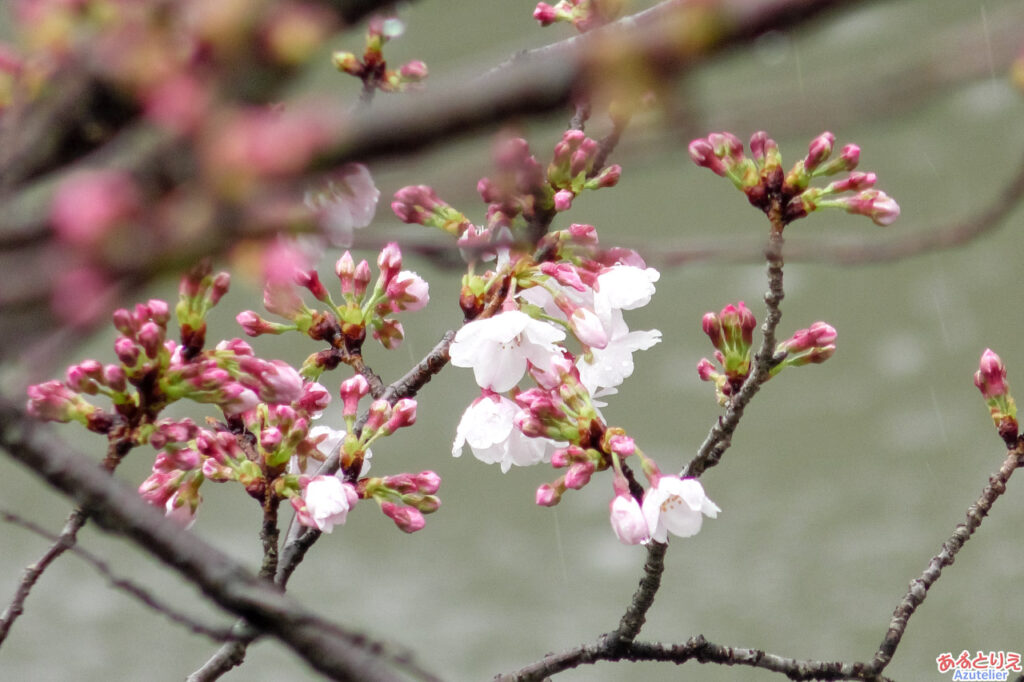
column 787, row 196
column 584, row 15
column 731, row 333
column 343, row 324
column 267, row 441
column 372, row 68
column 519, row 195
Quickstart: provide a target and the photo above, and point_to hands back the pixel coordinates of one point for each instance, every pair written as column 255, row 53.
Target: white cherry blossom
column 497, row 348
column 487, row 426
column 678, row 506
column 623, row 287
column 327, row 502
column 609, row 366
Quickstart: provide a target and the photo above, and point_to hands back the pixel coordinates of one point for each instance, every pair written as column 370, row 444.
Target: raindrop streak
column 988, row 45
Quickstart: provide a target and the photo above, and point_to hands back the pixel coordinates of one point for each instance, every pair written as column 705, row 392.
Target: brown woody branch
column 115, row 507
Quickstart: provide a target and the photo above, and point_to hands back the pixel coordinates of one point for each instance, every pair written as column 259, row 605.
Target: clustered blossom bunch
column 266, row 441
column 788, row 196
column 343, row 325
column 523, row 312
column 731, row 332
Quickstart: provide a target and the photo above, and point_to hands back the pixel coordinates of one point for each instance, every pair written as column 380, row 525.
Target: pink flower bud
column 362, row 278
column 818, row 334
column 547, row 496
column 403, row 413
column 151, row 338
column 757, row 145
column 159, row 487
column 310, row 279
column 545, row 14
column 52, row 401
column 726, row 146
column 413, row 71
column 252, row 324
column 428, row 482
column 158, row 310
column 738, row 325
column 713, row 328
column 609, row 177
column 622, row 445
column 123, row 322
column 529, row 424
column 352, row 390
column 706, row 370
column 628, row 521
column 380, row 412
column 703, row 154
column 408, row 519
column 236, row 399
column 270, row 438
column 876, row 204
column 588, row 328
column 565, row 274
column 583, row 233
column 315, row 399
column 418, row 204
column 408, row 291
column 579, row 475
column 819, row 150
column 390, row 262
column 991, row 376
column 345, row 269
column 563, row 200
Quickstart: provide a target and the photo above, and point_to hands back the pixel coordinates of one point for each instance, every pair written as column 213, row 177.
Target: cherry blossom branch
column 635, row 616
column 116, row 451
column 300, row 539
column 719, row 438
column 334, row 651
column 137, row 591
column 533, row 82
column 701, row 650
column 544, row 79
column 953, row 234
column 609, row 646
column 918, row 590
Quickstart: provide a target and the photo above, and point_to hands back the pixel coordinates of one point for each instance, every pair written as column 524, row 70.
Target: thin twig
column 137, row 591
column 700, row 650
column 116, row 450
column 117, row 508
column 635, row 616
column 719, row 437
column 919, row 586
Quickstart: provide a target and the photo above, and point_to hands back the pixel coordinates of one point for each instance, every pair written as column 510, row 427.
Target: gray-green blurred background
column 843, row 479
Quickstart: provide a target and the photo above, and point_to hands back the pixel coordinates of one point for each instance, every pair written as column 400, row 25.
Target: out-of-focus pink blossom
column 88, row 204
